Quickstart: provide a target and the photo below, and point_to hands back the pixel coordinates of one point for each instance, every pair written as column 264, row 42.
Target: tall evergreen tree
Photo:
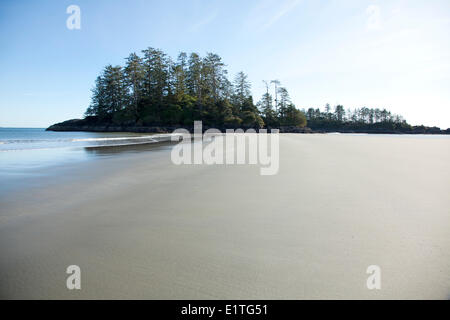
column 214, row 73
column 241, row 88
column 134, row 78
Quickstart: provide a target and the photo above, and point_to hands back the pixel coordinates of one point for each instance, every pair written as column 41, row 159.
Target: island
column 154, row 93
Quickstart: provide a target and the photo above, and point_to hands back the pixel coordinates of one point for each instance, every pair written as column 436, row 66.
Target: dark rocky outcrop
column 91, row 124
column 292, row 129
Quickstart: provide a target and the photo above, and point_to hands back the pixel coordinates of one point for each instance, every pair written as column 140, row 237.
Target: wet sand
column 141, row 227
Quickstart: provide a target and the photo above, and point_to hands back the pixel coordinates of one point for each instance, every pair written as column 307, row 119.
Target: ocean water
column 28, row 154
column 12, row 139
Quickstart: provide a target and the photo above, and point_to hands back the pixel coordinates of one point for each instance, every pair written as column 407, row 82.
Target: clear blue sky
column 393, row 54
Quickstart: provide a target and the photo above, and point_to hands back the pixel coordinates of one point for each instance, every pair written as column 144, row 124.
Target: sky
column 388, row 54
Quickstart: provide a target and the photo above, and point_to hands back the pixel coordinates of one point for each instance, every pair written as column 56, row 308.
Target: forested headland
column 363, row 120
column 153, row 92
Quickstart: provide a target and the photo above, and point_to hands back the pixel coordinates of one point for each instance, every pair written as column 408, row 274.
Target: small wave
column 150, row 138
column 26, row 141
column 94, row 139
column 119, row 144
column 110, row 139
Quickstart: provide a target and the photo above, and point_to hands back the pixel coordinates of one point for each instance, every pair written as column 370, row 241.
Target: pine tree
column 134, row 78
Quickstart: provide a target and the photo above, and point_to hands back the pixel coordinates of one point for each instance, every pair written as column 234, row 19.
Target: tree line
column 154, row 90
column 362, row 115
column 338, row 118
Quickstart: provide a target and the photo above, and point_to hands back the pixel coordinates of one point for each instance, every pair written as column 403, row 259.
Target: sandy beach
column 141, row 227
